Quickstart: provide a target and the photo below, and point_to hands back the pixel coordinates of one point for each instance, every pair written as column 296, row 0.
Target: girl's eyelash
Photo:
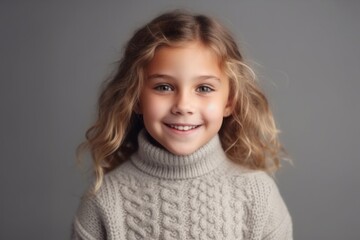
column 204, row 89
column 163, row 87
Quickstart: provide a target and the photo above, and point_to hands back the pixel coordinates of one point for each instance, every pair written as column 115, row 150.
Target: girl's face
column 184, row 98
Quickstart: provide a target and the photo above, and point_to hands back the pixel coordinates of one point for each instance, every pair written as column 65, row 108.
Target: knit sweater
column 158, row 195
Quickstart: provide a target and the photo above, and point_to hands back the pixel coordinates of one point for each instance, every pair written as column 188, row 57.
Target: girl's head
column 184, row 98
column 172, row 66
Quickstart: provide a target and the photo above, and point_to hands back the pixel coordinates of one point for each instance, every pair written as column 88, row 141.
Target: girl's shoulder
column 109, row 194
column 238, row 171
column 256, row 184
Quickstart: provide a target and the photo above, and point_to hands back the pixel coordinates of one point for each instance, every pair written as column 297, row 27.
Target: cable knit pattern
column 240, row 207
column 171, row 208
column 157, row 195
column 141, row 213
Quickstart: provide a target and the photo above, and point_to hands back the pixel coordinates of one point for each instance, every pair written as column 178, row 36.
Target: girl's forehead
column 187, row 50
column 193, row 57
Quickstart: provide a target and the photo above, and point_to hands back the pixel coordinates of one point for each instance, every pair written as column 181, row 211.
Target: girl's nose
column 183, row 104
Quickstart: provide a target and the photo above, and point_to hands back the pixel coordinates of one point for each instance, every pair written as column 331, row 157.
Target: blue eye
column 205, row 89
column 163, row 88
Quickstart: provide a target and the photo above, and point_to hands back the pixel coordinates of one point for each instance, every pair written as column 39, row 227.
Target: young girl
column 183, row 143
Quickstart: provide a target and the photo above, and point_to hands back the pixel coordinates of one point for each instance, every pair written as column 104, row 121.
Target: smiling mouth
column 182, row 127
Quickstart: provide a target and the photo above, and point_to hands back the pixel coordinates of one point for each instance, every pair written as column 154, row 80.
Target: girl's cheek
column 213, row 110
column 156, row 107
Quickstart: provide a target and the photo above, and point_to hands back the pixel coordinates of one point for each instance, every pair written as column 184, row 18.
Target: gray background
column 54, row 55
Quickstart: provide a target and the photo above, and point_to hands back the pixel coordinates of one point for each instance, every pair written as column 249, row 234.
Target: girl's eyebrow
column 164, row 76
column 156, row 75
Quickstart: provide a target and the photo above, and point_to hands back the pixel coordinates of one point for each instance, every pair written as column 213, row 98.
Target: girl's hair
column 249, row 135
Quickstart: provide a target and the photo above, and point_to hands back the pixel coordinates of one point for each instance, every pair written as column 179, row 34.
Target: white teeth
column 182, row 128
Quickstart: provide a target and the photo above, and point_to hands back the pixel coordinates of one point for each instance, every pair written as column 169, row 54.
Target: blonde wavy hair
column 249, row 135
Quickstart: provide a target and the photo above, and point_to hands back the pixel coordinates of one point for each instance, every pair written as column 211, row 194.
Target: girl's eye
column 205, row 89
column 163, row 88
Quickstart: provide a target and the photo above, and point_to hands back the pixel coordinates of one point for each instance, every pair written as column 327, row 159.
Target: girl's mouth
column 182, row 127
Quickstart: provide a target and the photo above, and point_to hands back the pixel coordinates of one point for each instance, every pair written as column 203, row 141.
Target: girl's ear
column 228, row 108
column 227, row 112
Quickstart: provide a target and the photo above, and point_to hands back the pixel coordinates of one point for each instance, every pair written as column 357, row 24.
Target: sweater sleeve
column 269, row 218
column 88, row 222
column 278, row 223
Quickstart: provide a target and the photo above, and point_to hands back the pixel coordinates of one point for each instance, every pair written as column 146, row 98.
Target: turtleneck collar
column 161, row 163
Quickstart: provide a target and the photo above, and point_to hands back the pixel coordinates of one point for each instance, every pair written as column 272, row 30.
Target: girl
column 183, row 142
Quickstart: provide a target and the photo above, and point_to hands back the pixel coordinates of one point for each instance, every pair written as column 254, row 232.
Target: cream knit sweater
column 157, row 195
